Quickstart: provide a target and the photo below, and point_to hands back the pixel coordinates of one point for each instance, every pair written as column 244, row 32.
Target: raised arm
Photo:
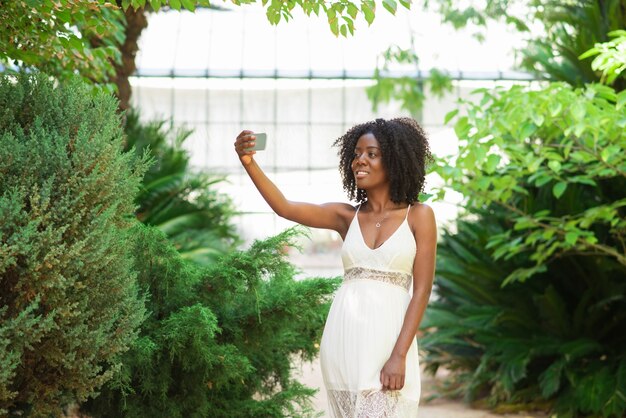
column 335, row 216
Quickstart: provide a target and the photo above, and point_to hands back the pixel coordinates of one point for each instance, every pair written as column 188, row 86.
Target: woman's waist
column 398, row 278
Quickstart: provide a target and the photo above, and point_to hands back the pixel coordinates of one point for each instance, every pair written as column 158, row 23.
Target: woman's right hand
column 244, row 141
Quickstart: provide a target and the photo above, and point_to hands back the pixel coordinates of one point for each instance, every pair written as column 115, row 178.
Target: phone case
column 259, row 143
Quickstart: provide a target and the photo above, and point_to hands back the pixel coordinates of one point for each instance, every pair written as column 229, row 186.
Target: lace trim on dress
column 371, row 404
column 397, row 278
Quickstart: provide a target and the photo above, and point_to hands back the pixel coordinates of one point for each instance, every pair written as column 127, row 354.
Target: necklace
column 384, row 217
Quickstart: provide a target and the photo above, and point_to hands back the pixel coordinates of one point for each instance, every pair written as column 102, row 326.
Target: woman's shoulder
column 421, row 209
column 421, row 215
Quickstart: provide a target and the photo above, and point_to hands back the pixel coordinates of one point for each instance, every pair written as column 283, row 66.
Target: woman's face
column 367, row 165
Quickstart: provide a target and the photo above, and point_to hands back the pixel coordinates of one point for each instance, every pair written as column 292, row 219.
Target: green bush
column 555, row 341
column 69, row 305
column 219, row 340
column 531, row 306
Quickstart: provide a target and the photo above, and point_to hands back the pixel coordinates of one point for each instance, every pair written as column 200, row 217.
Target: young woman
column 368, row 351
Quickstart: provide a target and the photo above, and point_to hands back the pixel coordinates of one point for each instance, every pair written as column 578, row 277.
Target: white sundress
column 363, row 325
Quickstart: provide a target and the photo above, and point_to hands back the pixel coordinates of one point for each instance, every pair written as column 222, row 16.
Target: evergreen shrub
column 219, row 341
column 69, row 303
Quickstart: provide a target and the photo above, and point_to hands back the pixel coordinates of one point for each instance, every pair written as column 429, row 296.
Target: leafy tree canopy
column 51, row 35
column 57, row 35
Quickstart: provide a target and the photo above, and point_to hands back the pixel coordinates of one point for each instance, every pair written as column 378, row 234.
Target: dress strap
column 408, row 208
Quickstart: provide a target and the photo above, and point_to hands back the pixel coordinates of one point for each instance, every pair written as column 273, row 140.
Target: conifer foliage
column 220, row 340
column 69, row 303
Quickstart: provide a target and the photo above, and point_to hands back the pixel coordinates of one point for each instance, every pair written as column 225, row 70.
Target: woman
column 368, row 351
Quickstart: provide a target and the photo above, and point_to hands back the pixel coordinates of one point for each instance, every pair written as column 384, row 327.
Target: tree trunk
column 135, row 22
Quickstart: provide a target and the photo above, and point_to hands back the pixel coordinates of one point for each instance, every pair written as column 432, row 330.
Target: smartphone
column 259, row 143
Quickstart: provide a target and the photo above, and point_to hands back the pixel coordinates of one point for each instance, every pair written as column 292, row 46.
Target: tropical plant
column 531, row 306
column 180, row 202
column 69, row 305
column 569, row 30
column 219, row 341
column 553, row 342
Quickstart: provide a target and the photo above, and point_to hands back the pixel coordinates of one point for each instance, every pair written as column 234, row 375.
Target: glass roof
column 240, row 42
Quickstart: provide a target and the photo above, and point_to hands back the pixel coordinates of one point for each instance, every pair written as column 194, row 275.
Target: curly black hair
column 405, row 154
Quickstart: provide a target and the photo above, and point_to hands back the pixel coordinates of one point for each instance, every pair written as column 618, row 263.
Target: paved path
column 311, row 375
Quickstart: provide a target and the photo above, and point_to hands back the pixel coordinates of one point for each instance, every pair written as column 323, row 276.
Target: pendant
column 377, row 224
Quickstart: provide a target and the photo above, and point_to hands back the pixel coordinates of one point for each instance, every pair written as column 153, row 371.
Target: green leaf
column 554, row 166
column 391, row 6
column 352, row 10
column 524, row 223
column 579, row 129
column 621, row 100
column 580, row 348
column 559, row 189
column 583, row 180
column 450, row 115
column 571, row 238
column 368, row 8
column 423, row 197
column 483, row 183
column 542, row 180
column 189, row 5
column 523, row 274
column 175, row 4
column 64, row 14
column 609, row 152
column 537, row 118
column 527, row 130
column 492, row 163
column 514, row 369
column 334, row 26
column 462, row 127
column 577, row 110
column 555, row 108
column 550, row 379
column 589, row 53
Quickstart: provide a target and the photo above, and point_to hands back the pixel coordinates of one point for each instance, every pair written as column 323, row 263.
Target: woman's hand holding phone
column 247, row 143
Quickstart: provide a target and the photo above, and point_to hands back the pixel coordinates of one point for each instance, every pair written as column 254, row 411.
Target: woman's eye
column 372, row 155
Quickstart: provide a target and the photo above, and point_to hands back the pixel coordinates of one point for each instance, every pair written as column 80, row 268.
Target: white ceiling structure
column 240, row 42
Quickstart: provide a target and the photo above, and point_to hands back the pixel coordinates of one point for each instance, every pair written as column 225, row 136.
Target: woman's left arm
column 425, row 232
